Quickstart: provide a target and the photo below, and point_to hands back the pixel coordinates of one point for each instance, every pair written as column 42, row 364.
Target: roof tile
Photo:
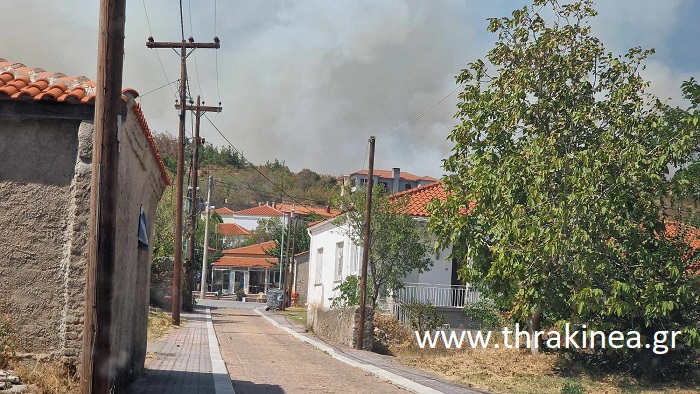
column 419, row 197
column 232, row 229
column 19, row 82
column 263, row 210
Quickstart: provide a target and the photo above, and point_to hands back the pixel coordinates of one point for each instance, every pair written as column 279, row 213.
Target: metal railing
column 453, row 296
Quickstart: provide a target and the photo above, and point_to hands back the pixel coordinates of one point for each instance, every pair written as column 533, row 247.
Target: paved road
column 262, row 358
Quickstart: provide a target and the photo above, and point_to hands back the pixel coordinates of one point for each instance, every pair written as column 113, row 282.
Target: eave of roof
column 21, row 83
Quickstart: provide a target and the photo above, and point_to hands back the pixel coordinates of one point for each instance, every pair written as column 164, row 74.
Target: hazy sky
column 308, row 81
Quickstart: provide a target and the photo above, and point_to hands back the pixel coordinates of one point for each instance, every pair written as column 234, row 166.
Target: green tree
column 271, row 230
column 164, row 231
column 561, row 159
column 398, row 243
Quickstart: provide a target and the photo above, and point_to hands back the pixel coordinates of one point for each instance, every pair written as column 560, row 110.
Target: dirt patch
column 517, row 371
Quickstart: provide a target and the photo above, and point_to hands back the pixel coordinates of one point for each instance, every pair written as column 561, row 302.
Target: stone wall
column 38, row 196
column 45, row 173
column 302, row 282
column 340, row 325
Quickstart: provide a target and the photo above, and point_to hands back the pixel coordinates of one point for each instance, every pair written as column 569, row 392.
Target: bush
column 573, row 387
column 388, row 331
column 423, row 316
column 486, row 312
column 349, row 292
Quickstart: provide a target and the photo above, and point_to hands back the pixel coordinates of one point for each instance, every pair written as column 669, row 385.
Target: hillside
column 240, row 184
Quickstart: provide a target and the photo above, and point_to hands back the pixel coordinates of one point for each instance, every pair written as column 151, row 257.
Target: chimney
column 328, row 209
column 397, row 178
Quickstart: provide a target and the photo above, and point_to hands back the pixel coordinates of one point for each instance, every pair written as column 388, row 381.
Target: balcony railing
column 453, row 296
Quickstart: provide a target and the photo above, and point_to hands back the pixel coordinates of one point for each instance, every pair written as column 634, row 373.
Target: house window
column 339, row 261
column 384, row 185
column 408, row 186
column 355, row 261
column 319, row 265
column 363, row 181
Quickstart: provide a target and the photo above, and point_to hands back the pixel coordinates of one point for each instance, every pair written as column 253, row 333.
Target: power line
column 182, row 23
column 157, row 89
column 255, row 167
column 422, row 113
column 157, row 54
column 196, row 67
column 245, row 186
column 216, row 54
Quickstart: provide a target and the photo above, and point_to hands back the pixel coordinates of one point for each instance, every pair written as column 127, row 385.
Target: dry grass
column 296, row 314
column 159, row 324
column 516, row 371
column 46, row 377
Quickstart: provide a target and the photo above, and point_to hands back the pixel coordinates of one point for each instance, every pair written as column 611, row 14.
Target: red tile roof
column 19, row 82
column 389, row 174
column 263, row 210
column 419, row 197
column 251, row 250
column 305, row 210
column 248, row 256
column 223, row 211
column 246, row 262
column 232, row 229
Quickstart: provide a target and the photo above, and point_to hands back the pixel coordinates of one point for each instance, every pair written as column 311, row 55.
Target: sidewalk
column 409, row 378
column 185, row 362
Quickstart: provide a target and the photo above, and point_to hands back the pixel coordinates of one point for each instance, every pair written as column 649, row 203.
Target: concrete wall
column 441, row 271
column 44, row 190
column 326, row 237
column 45, row 171
column 140, row 188
column 341, row 325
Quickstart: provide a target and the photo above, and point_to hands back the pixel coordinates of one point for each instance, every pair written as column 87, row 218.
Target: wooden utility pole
column 199, row 111
column 96, row 368
column 365, row 249
column 203, row 280
column 177, row 263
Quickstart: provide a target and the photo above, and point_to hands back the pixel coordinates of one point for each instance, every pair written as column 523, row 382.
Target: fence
column 453, row 296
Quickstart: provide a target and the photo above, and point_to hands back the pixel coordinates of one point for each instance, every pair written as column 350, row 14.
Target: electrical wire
column 421, row 114
column 182, row 23
column 216, row 53
column 255, row 167
column 267, row 194
column 157, row 53
column 157, row 89
column 196, row 67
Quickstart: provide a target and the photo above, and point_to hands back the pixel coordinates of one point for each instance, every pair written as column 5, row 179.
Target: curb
column 222, row 380
column 374, row 370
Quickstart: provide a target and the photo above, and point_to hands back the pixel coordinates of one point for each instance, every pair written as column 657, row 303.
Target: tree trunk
column 534, row 324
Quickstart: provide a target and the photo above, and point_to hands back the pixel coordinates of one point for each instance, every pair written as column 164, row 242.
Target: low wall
column 340, row 325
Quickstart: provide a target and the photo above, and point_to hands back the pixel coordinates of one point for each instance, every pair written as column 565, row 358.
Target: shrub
column 349, row 292
column 486, row 312
column 423, row 316
column 388, row 331
column 572, row 387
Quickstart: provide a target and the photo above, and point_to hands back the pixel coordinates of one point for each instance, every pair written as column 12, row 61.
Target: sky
column 307, row 82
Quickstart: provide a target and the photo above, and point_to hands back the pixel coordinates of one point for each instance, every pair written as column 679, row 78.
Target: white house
column 393, row 181
column 333, row 257
column 226, row 214
column 248, row 218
